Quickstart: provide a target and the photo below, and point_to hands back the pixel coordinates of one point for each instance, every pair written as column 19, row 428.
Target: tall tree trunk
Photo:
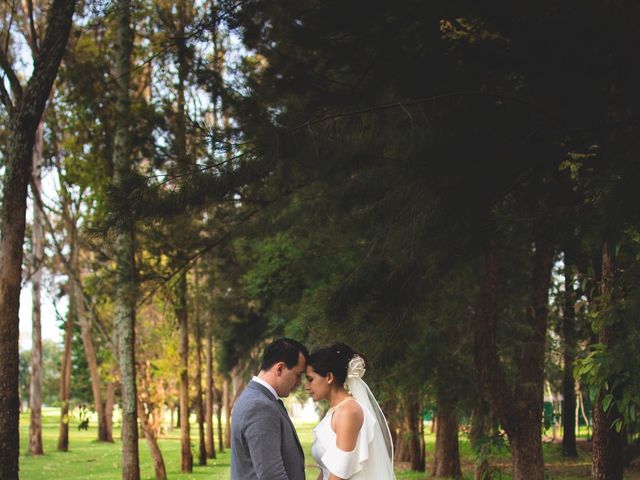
column 92, row 362
column 152, row 441
column 108, row 407
column 226, row 399
column 209, row 391
column 569, row 355
column 35, row 393
column 390, row 407
column 186, row 463
column 414, row 419
column 219, row 406
column 72, row 315
column 65, row 372
column 402, row 451
column 126, row 278
column 447, row 454
column 24, row 116
column 619, row 146
column 182, row 311
column 519, row 410
column 479, row 433
column 202, row 457
column 608, row 443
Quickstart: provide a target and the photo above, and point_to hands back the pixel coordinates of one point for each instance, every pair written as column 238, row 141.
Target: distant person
column 353, row 440
column 264, row 443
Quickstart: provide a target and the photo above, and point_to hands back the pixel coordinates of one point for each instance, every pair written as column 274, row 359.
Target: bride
column 352, row 441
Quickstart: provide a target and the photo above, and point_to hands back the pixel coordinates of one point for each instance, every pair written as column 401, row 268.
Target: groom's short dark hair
column 284, row 350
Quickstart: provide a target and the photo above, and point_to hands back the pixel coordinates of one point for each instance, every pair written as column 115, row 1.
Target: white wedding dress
column 369, row 460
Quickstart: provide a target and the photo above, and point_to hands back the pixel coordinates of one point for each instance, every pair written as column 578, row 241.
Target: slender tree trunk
column 152, row 441
column 108, row 407
column 412, row 412
column 219, row 416
column 209, row 391
column 447, row 455
column 182, row 311
column 389, row 407
column 608, row 443
column 92, row 362
column 72, row 316
column 226, row 395
column 24, row 116
column 186, row 464
column 65, row 372
column 402, row 451
column 35, row 393
column 124, row 245
column 202, row 457
column 569, row 355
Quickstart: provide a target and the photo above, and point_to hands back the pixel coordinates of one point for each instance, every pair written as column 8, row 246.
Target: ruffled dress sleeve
column 346, row 464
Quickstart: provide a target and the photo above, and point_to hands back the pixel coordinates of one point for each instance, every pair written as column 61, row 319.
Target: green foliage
column 278, row 268
column 80, row 377
column 611, row 371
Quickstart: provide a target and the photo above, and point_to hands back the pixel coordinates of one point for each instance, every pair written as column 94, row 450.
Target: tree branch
column 32, row 38
column 16, row 87
column 48, row 59
column 71, row 271
column 5, row 98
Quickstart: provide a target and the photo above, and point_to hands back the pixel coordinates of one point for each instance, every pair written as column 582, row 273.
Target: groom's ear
column 279, row 367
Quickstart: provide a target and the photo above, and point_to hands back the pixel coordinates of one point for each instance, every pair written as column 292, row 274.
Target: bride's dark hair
column 334, row 359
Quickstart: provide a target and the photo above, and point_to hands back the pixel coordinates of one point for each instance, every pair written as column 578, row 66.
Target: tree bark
column 72, row 317
column 569, row 356
column 608, row 444
column 65, row 372
column 35, row 394
column 152, row 441
column 24, row 116
column 479, row 433
column 186, row 462
column 526, row 452
column 447, row 454
column 226, row 399
column 209, row 391
column 219, row 407
column 414, row 419
column 124, row 244
column 520, row 409
column 202, row 457
column 92, row 361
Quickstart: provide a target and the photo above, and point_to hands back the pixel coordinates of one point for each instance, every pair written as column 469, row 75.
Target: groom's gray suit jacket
column 264, row 444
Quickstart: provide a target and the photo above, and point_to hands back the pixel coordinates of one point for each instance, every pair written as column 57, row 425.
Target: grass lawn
column 88, row 459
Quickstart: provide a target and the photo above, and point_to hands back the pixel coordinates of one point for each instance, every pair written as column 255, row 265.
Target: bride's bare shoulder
column 350, row 412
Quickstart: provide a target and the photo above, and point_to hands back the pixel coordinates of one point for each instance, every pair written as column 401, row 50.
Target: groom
column 264, row 444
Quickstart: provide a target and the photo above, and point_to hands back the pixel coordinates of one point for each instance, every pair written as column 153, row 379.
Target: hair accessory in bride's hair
column 356, row 367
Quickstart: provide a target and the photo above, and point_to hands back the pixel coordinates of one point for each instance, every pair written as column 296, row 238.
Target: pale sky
column 50, row 329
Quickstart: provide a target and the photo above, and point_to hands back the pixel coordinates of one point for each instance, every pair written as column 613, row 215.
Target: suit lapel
column 284, row 412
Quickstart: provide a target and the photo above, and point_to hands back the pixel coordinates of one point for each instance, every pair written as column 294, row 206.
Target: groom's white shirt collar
column 265, row 384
